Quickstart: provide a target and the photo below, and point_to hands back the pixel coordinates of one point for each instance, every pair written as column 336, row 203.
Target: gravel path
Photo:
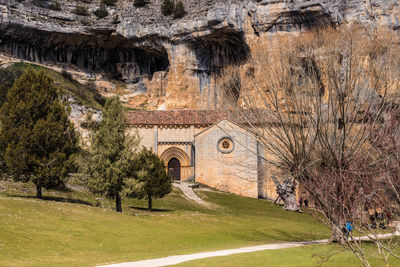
column 172, row 260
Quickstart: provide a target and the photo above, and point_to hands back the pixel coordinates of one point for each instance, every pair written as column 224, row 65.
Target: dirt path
column 172, row 260
column 189, row 193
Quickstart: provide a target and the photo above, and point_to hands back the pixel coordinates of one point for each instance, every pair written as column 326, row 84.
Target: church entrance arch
column 174, row 168
column 177, row 163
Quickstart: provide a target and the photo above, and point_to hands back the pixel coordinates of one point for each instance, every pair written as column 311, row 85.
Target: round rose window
column 225, row 145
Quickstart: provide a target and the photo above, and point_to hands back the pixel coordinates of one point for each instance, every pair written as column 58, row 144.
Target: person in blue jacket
column 349, row 228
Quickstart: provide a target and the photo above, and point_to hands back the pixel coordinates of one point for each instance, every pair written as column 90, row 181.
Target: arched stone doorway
column 174, row 168
column 177, row 163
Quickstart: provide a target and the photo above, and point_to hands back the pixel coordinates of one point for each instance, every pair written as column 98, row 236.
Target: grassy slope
column 329, row 255
column 52, row 232
column 85, row 95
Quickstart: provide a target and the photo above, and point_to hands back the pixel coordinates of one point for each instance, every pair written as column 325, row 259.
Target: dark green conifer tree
column 112, row 154
column 152, row 179
column 36, row 137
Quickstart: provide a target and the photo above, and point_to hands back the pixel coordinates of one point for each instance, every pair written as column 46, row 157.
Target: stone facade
column 232, row 170
column 205, row 147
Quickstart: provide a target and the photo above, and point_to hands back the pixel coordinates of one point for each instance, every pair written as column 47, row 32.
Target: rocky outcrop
column 164, row 62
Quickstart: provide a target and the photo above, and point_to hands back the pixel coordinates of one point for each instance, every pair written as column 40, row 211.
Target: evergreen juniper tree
column 36, row 137
column 151, row 177
column 112, row 154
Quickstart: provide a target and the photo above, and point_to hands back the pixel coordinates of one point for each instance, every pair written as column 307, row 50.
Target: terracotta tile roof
column 175, row 117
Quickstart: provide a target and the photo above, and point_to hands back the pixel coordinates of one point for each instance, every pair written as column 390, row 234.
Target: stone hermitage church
column 205, row 147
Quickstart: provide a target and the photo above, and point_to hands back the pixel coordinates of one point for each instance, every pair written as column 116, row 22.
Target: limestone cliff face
column 164, row 63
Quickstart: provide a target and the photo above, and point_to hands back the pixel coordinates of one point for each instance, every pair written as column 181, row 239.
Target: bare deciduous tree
column 315, row 102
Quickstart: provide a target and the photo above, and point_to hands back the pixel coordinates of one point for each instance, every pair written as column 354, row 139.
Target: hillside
column 81, row 98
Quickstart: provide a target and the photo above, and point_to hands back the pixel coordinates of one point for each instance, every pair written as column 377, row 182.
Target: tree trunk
column 150, row 203
column 39, row 189
column 287, row 192
column 118, row 206
column 337, row 235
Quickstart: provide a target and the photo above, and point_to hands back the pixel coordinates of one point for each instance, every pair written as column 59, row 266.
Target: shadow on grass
column 57, row 199
column 153, row 210
column 62, row 188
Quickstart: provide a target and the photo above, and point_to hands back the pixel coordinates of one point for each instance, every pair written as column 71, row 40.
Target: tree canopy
column 112, row 154
column 36, row 137
column 151, row 178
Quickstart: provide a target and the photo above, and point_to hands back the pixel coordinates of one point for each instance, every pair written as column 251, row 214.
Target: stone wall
column 236, row 171
column 171, row 141
column 243, row 171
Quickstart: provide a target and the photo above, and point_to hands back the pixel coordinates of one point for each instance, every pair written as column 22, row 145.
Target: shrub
column 109, row 2
column 101, row 12
column 81, row 11
column 55, row 5
column 139, row 3
column 67, row 75
column 179, row 10
column 86, row 1
column 167, row 7
column 86, row 22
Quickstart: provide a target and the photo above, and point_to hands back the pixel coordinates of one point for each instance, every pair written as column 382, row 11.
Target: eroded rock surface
column 167, row 63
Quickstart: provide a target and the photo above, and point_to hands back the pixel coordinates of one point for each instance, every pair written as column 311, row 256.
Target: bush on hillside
column 81, row 11
column 139, row 3
column 109, row 2
column 179, row 10
column 55, row 6
column 167, row 7
column 101, row 12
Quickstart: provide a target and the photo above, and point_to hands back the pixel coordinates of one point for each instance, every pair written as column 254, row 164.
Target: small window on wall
column 225, row 145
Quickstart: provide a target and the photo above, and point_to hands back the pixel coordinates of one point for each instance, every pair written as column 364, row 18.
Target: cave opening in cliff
column 295, row 20
column 222, row 48
column 115, row 57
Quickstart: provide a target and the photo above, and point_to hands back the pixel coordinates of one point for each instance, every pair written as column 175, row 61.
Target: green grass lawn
column 56, row 231
column 309, row 256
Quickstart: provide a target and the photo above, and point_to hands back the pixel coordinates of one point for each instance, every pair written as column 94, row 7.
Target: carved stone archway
column 178, row 154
